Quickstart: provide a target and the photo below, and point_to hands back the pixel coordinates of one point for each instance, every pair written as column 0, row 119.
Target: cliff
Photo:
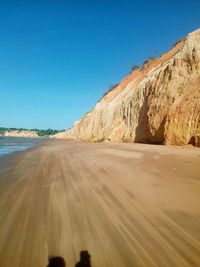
column 157, row 103
column 30, row 134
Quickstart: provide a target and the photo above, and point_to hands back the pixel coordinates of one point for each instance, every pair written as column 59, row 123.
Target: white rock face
column 30, row 134
column 158, row 103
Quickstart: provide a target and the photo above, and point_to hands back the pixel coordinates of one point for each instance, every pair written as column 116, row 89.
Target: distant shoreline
column 23, row 132
column 10, row 144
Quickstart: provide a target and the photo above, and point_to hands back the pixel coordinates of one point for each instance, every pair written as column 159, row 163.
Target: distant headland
column 23, row 132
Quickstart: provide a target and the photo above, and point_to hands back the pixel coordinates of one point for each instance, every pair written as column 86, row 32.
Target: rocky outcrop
column 157, row 103
column 30, row 134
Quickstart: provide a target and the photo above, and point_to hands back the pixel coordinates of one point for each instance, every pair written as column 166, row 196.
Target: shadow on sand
column 56, row 262
column 84, row 259
column 83, row 262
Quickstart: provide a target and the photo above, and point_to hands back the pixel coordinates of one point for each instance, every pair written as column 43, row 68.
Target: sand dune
column 129, row 205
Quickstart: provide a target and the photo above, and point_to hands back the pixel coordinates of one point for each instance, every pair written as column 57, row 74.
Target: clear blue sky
column 58, row 57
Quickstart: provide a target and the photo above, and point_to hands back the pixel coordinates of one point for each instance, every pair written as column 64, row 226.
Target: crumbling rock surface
column 157, row 103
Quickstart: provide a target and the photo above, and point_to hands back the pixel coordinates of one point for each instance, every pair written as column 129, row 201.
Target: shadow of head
column 56, row 262
column 84, row 259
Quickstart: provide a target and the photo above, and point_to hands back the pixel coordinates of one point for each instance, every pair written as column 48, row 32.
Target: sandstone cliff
column 157, row 103
column 30, row 134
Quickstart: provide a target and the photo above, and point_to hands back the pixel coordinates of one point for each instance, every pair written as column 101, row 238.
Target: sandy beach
column 128, row 205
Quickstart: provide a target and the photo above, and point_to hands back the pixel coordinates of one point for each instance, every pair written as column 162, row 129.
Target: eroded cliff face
column 158, row 103
column 30, row 134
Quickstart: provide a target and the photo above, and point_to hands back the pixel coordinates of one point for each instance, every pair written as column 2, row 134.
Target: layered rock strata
column 157, row 103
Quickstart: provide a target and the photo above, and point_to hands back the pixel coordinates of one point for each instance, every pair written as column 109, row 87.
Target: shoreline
column 10, row 145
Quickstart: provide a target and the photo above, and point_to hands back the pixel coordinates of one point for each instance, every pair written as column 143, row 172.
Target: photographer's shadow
column 56, row 262
column 83, row 262
column 84, row 259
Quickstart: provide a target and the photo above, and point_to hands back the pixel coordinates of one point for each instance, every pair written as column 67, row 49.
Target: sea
column 14, row 144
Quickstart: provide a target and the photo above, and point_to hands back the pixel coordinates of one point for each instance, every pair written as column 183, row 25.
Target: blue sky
column 57, row 58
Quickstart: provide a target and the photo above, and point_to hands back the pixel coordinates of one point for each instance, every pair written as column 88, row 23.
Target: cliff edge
column 157, row 103
column 30, row 134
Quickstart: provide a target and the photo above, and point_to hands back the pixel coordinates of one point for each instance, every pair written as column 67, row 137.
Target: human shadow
column 56, row 262
column 84, row 259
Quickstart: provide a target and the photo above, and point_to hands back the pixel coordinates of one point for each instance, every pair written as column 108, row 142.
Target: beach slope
column 128, row 205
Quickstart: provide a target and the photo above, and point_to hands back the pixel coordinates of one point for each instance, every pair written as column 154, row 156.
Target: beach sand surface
column 128, row 205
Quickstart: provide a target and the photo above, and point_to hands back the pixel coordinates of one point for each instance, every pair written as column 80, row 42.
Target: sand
column 129, row 205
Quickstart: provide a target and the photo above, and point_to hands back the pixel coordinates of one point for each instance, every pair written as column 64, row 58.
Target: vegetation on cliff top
column 40, row 132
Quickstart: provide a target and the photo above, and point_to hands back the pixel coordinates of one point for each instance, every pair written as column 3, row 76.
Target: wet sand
column 129, row 205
